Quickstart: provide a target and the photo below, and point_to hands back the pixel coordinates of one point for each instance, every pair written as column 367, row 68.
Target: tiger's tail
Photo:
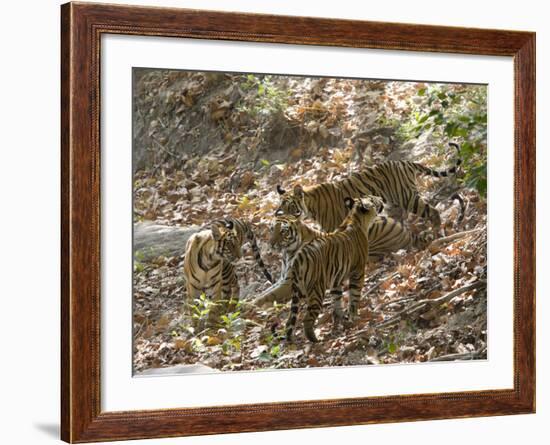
column 281, row 292
column 245, row 230
column 457, row 197
column 442, row 173
column 257, row 255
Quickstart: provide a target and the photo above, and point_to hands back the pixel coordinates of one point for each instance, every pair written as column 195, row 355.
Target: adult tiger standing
column 326, row 262
column 393, row 181
column 209, row 256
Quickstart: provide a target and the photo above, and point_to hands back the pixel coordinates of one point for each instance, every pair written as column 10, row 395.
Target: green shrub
column 454, row 113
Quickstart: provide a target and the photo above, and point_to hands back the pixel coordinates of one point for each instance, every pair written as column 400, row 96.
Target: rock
column 153, row 240
column 198, row 368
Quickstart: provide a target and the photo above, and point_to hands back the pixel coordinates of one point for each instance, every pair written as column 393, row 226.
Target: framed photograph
column 274, row 222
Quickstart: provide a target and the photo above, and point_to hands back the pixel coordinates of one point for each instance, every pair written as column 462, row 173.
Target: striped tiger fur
column 209, row 256
column 386, row 235
column 289, row 234
column 246, row 234
column 326, row 262
column 393, row 181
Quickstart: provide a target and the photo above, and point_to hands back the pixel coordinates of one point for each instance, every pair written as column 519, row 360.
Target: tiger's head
column 362, row 211
column 227, row 241
column 292, row 204
column 284, row 232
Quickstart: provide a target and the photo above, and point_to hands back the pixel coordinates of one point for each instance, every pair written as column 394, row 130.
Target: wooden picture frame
column 82, row 26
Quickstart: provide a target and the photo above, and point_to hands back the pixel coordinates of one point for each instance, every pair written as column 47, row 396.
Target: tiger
column 386, row 235
column 208, row 265
column 393, row 181
column 289, row 234
column 326, row 262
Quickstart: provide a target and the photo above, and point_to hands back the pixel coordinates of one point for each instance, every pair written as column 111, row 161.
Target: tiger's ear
column 298, row 191
column 280, row 190
column 349, row 202
column 229, row 224
column 216, row 234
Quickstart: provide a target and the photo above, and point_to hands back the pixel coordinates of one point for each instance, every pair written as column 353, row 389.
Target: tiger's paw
column 349, row 320
column 337, row 319
column 336, row 330
column 310, row 334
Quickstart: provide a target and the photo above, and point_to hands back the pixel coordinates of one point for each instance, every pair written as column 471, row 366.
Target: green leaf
column 482, row 187
column 481, row 118
column 466, row 149
column 423, row 119
column 264, row 357
column 450, row 129
column 463, row 132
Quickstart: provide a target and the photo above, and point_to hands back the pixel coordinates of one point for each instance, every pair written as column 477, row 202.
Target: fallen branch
column 410, row 297
column 448, row 297
column 387, row 303
column 459, row 356
column 382, row 281
column 438, row 243
column 248, row 321
column 426, row 304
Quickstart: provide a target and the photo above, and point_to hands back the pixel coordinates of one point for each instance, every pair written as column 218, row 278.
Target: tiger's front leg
column 338, row 316
column 356, row 283
column 192, row 293
column 230, row 288
column 314, row 305
column 216, row 304
column 291, row 322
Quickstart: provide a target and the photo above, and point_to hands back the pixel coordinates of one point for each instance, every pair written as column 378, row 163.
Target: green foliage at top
column 455, row 113
column 269, row 98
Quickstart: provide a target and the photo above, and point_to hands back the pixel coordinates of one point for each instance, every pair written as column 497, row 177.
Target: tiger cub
column 289, row 234
column 386, row 235
column 393, row 181
column 326, row 262
column 209, row 257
